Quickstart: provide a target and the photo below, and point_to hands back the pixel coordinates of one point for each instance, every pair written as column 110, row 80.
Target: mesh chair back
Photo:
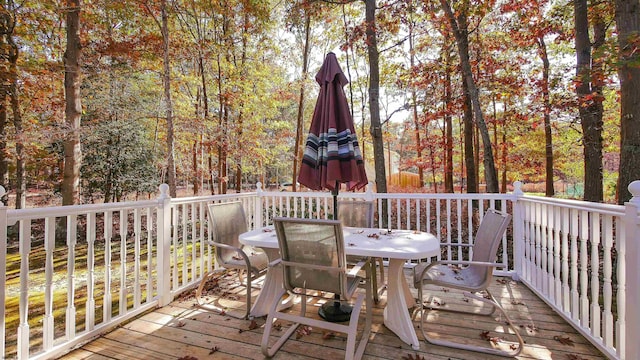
column 312, row 253
column 228, row 222
column 356, row 213
column 487, row 241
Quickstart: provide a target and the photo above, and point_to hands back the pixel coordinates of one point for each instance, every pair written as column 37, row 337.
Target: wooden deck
column 184, row 331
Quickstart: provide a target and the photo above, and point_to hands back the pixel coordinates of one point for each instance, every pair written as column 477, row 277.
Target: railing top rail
column 14, row 215
column 206, row 198
column 576, row 204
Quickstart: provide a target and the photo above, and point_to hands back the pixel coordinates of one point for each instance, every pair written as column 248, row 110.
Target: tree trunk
column 73, row 108
column 628, row 24
column 589, row 104
column 448, row 167
column 414, row 100
column 171, row 168
column 299, row 147
column 459, row 27
column 542, row 48
column 469, row 161
column 7, row 24
column 374, row 106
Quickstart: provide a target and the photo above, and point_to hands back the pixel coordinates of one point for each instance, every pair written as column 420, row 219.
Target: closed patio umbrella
column 332, row 155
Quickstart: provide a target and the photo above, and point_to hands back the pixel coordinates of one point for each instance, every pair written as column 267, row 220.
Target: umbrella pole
column 335, row 311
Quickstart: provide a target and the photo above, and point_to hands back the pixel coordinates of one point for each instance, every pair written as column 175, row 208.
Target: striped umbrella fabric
column 332, row 154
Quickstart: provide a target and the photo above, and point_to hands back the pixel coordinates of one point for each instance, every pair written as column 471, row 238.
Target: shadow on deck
column 184, row 331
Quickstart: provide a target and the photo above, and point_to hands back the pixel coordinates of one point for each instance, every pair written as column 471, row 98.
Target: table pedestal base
column 399, row 301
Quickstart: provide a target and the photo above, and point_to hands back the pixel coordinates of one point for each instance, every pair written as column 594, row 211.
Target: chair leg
column 270, row 352
column 492, row 301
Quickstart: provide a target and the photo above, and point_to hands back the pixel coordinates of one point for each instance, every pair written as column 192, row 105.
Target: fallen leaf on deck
column 188, row 358
column 305, row 330
column 486, row 336
column 411, row 357
column 574, row 357
column 253, row 325
column 564, row 340
column 326, row 335
column 213, row 350
column 180, row 323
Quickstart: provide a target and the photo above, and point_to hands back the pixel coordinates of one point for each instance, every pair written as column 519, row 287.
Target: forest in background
column 104, row 100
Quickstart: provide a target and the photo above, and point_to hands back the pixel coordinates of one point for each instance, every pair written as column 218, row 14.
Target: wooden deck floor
column 184, row 331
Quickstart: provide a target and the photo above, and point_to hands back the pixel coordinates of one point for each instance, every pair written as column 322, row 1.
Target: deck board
column 183, row 329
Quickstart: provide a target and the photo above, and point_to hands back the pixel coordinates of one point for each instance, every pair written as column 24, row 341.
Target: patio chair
column 313, row 261
column 471, row 277
column 226, row 222
column 360, row 214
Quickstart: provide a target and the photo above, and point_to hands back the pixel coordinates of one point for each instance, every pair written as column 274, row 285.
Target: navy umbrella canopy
column 332, row 155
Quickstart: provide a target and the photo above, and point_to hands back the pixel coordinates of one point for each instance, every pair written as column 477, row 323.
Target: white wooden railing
column 74, row 272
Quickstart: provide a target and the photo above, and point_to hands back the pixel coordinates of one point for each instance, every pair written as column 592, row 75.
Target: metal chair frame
column 226, row 222
column 471, row 277
column 326, row 271
column 356, row 213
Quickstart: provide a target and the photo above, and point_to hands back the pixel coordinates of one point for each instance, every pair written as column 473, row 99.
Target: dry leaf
column 326, row 335
column 253, row 325
column 564, row 340
column 411, row 357
column 180, row 324
column 503, row 281
column 486, row 336
column 302, row 331
column 213, row 350
column 574, row 357
column 187, row 357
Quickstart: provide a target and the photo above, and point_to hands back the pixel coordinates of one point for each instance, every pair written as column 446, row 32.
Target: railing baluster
column 543, row 226
column 557, row 255
column 23, row 328
column 194, row 243
column 48, row 328
column 184, row 211
column 123, row 262
column 90, row 306
column 149, row 254
column 72, row 226
column 566, row 289
column 575, row 299
column 137, row 228
column 106, row 303
column 174, row 241
column 607, row 270
column 584, row 279
column 595, row 323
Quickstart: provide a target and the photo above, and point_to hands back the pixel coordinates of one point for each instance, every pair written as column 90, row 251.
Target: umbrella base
column 335, row 311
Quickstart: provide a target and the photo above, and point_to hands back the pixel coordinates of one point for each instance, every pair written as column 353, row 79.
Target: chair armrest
column 353, row 270
column 275, row 262
column 236, row 249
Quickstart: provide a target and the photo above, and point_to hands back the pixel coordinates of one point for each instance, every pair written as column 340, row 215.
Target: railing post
column 518, row 231
column 3, row 269
column 629, row 275
column 164, row 246
column 257, row 213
